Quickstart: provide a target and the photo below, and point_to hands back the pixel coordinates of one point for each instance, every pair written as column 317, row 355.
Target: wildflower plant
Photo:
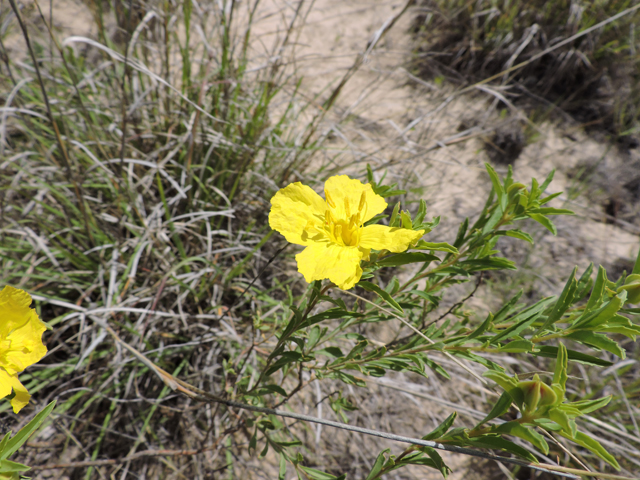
column 349, row 242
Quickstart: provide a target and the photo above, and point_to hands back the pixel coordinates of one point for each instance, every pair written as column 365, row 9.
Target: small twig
column 456, row 305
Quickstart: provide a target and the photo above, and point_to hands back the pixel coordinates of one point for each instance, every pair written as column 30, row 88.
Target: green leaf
column 563, row 303
column 437, row 460
column 545, row 222
column 552, row 352
column 595, row 299
column 438, row 247
column 591, row 320
column 594, row 446
column 596, row 340
column 517, row 346
column 484, row 326
column 406, row 220
column 497, row 187
column 7, row 466
column 561, row 418
column 462, row 230
column 547, row 181
column 588, row 406
column 319, row 475
column 508, row 384
column 285, row 359
column 405, row 258
column 551, row 211
column 636, row 266
column 503, row 444
column 507, row 308
column 370, row 287
column 422, row 211
column 377, row 466
column 394, row 215
column 283, row 467
column 560, row 374
column 525, row 433
column 488, row 263
column 441, row 429
column 25, row 432
column 500, row 408
column 517, row 234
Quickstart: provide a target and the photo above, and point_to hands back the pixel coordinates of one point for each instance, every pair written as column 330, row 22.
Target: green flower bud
column 632, row 286
column 536, row 394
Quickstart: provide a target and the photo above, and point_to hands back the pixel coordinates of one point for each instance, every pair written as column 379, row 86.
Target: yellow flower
column 20, row 343
column 333, row 229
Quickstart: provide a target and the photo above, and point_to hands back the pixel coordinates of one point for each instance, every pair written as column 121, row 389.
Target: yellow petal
column 14, row 309
column 296, row 212
column 21, row 397
column 20, row 331
column 344, row 193
column 395, row 240
column 339, row 264
column 6, row 383
column 26, row 346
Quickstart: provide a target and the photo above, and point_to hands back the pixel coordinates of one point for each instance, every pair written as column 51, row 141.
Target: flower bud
column 536, row 394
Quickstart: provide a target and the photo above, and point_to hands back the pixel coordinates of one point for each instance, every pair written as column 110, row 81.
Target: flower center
column 345, row 231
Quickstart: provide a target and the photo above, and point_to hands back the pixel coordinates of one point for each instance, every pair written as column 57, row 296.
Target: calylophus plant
column 349, row 242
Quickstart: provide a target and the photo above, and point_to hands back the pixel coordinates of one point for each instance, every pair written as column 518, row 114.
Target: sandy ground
column 387, row 119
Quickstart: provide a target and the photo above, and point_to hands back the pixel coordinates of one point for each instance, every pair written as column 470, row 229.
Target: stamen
column 329, row 200
column 347, row 209
column 363, row 199
column 338, row 233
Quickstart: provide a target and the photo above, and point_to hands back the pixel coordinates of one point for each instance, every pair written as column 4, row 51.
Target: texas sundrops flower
column 333, row 229
column 20, row 343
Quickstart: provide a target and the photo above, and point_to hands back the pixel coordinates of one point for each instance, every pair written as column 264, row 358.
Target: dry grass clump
column 594, row 77
column 135, row 174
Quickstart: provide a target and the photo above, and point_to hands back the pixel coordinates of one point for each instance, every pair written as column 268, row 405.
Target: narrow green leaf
column 25, row 432
column 552, row 352
column 560, row 374
column 441, row 429
column 525, row 433
column 563, row 303
column 517, row 346
column 588, row 406
column 7, row 466
column 439, row 247
column 515, row 233
column 596, row 340
column 283, row 467
column 406, row 258
column 377, row 466
column 462, row 230
column 636, row 266
column 488, row 263
column 503, row 444
column 551, row 211
column 318, row 475
column 420, row 214
column 500, row 408
column 545, row 222
column 594, row 446
column 497, row 186
column 547, row 180
column 507, row 308
column 370, row 287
